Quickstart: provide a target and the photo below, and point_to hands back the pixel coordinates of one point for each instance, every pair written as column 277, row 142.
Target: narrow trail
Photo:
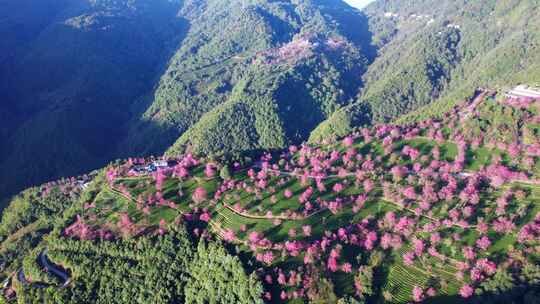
column 274, row 217
column 304, row 175
column 118, row 192
column 19, row 233
column 432, row 219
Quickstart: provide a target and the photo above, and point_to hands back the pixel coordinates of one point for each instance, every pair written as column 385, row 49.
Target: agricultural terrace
column 413, row 212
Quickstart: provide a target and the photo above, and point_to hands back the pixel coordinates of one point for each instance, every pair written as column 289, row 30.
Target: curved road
column 21, row 277
column 49, row 267
column 44, row 262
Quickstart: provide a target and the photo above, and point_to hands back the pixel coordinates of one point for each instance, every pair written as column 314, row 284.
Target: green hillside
column 430, row 212
column 269, row 151
column 439, row 52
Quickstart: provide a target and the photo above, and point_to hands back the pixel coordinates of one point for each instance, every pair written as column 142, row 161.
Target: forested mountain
column 441, row 51
column 85, row 81
column 240, row 81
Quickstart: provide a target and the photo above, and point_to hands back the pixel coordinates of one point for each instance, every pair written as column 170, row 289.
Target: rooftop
column 523, row 91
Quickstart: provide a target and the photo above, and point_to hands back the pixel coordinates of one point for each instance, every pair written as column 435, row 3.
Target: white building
column 523, row 91
column 390, row 15
column 161, row 164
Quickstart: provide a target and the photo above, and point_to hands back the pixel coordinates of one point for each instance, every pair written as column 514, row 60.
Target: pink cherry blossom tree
column 199, row 195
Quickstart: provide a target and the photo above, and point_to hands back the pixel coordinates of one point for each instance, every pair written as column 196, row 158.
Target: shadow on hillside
column 355, row 25
column 84, row 131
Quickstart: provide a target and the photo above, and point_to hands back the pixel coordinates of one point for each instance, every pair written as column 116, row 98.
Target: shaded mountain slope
column 68, row 87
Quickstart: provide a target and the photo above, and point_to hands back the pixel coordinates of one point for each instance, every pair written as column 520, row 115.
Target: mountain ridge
column 171, row 83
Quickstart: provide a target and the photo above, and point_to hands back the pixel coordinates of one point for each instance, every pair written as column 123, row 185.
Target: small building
column 160, row 164
column 523, row 91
